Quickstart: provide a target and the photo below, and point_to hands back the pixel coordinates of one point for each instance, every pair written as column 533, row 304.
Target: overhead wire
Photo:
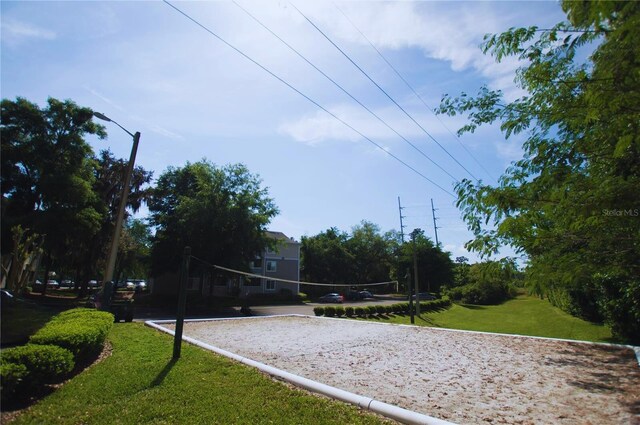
column 304, row 95
column 344, row 90
column 415, row 92
column 383, row 91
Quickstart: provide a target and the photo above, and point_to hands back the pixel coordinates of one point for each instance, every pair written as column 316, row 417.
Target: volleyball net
column 300, row 282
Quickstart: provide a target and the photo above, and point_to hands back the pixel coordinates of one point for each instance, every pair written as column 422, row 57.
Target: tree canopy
column 571, row 204
column 220, row 212
column 58, row 198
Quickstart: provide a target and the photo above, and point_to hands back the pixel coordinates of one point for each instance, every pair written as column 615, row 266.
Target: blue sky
column 192, row 97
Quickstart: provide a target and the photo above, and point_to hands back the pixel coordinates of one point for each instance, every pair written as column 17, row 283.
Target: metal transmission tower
column 402, row 226
column 435, row 227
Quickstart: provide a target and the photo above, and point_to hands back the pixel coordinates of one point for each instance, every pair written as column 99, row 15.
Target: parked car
column 139, row 284
column 93, row 283
column 36, row 286
column 365, row 294
column 425, row 296
column 331, row 298
column 53, row 284
column 66, row 283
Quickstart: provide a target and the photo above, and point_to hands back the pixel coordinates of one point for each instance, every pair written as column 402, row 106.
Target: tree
column 435, row 268
column 325, row 258
column 46, row 169
column 135, row 250
column 107, row 185
column 571, row 203
column 220, row 212
column 371, row 252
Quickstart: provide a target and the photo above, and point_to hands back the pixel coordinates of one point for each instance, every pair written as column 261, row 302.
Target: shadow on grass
column 473, row 306
column 163, row 373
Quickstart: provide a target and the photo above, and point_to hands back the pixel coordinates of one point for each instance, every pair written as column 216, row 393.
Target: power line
column 304, row 95
column 413, row 90
column 344, row 90
column 383, row 90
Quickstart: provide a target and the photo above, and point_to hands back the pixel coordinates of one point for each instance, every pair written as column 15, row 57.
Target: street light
column 113, row 251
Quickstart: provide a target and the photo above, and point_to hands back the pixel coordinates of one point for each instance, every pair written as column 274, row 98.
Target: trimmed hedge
column 13, row 377
column 371, row 310
column 45, row 364
column 81, row 331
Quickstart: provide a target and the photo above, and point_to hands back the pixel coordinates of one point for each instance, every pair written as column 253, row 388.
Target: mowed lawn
column 138, row 384
column 524, row 315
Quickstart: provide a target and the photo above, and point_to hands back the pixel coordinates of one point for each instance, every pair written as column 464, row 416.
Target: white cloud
column 15, row 32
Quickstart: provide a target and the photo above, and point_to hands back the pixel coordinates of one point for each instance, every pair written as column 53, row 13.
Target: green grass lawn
column 524, row 315
column 139, row 384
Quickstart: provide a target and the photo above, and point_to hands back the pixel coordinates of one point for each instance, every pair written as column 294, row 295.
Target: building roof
column 281, row 237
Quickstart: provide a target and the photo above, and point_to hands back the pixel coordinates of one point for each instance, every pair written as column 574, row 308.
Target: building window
column 271, row 266
column 254, row 281
column 270, row 285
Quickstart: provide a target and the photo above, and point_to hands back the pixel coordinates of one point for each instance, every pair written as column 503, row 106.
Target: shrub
column 360, row 311
column 380, row 309
column 372, row 310
column 81, row 331
column 340, row 311
column 349, row 311
column 389, row 309
column 318, row 311
column 330, row 311
column 12, row 380
column 45, row 364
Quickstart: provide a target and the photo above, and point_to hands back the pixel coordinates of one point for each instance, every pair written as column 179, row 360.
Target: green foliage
column 45, row 364
column 220, row 212
column 435, row 267
column 571, row 203
column 13, row 378
column 81, row 331
column 330, row 311
column 360, row 311
column 349, row 311
column 381, row 309
column 340, row 311
column 372, row 310
column 318, row 311
column 484, row 292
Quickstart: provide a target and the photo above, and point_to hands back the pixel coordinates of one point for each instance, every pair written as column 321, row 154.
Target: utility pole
column 415, row 270
column 401, row 217
column 435, row 227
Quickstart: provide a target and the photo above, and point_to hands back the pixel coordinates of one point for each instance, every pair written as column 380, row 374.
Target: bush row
column 81, row 331
column 70, row 337
column 371, row 310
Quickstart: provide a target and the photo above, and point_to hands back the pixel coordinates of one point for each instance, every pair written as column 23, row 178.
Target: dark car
column 331, row 298
column 425, row 296
column 365, row 294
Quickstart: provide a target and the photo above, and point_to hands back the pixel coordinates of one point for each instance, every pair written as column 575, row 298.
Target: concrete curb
column 388, row 410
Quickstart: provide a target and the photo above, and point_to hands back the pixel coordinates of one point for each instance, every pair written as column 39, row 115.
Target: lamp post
column 113, row 251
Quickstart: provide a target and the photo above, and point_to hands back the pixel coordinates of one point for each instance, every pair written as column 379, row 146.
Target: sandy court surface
column 467, row 378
